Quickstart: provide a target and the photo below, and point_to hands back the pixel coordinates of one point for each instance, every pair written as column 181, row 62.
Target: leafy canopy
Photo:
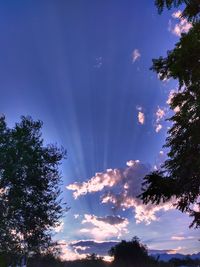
column 30, row 204
column 129, row 252
column 191, row 9
column 179, row 176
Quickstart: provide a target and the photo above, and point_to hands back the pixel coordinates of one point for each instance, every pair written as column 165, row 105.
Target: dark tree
column 130, row 253
column 179, row 176
column 30, row 204
column 191, row 7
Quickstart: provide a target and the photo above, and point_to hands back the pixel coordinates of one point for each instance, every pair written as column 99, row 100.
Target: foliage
column 179, row 176
column 47, row 260
column 131, row 253
column 191, row 7
column 187, row 261
column 29, row 189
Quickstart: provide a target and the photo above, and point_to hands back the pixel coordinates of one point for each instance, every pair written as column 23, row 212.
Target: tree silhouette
column 191, row 10
column 130, row 253
column 179, row 176
column 30, row 202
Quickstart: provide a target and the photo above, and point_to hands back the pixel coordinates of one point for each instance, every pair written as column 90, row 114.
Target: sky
column 83, row 68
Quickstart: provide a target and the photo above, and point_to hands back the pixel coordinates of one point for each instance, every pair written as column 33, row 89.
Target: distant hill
column 167, row 256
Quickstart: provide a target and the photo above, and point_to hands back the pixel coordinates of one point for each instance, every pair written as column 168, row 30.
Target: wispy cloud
column 101, row 228
column 98, row 62
column 180, row 237
column 135, row 55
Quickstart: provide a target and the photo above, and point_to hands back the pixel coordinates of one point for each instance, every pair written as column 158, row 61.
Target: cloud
column 159, row 160
column 169, row 100
column 68, row 253
column 180, row 237
column 143, row 213
column 158, row 128
column 107, row 179
column 101, row 228
column 96, row 183
column 124, row 186
column 100, row 248
column 98, row 62
column 111, row 219
column 59, row 228
column 159, row 251
column 141, row 117
column 160, row 114
column 183, row 26
column 170, row 97
column 175, row 250
column 135, row 55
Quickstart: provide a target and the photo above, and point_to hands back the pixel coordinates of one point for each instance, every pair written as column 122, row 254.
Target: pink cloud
column 101, row 228
column 67, row 253
column 124, row 185
column 183, row 26
column 158, row 128
column 143, row 213
column 96, row 183
column 160, row 114
column 141, row 117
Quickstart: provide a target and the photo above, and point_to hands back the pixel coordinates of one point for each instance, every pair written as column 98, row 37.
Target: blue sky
column 82, row 67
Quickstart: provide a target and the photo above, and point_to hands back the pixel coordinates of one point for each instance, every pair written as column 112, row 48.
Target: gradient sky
column 82, row 67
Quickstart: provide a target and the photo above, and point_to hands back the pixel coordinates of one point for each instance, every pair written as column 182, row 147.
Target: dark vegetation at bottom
column 52, row 262
column 125, row 254
column 49, row 261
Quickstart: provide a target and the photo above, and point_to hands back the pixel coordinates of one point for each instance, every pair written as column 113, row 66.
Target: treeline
column 47, row 261
column 126, row 253
column 91, row 261
column 187, row 261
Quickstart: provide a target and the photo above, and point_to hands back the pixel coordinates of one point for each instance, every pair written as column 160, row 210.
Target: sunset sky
column 82, row 67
